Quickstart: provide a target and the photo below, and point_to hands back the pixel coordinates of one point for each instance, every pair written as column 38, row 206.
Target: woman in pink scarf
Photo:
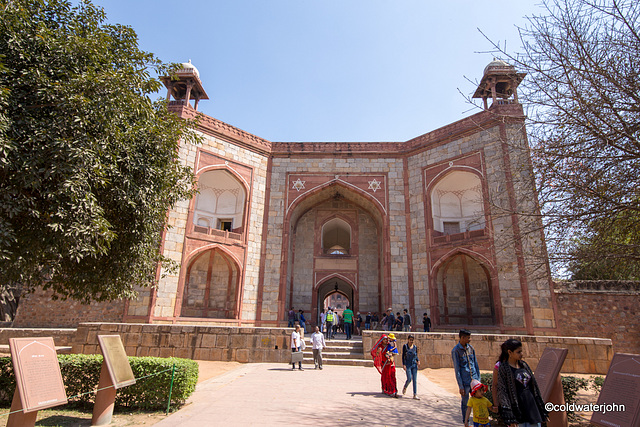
column 382, row 354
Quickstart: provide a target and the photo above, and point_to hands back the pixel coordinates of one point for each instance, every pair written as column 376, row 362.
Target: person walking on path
column 323, row 320
column 317, row 344
column 465, row 366
column 426, row 322
column 347, row 315
column 384, row 363
column 331, row 317
column 410, row 363
column 399, row 321
column 407, row 321
column 519, row 400
column 389, row 320
column 480, row 406
column 291, row 317
column 296, row 346
column 358, row 324
column 367, row 322
column 303, row 321
column 374, row 321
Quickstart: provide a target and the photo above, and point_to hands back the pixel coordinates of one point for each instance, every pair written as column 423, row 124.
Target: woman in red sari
column 384, row 363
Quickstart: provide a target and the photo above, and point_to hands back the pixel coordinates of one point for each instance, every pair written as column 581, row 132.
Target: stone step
column 341, row 349
column 339, row 344
column 347, row 362
column 331, row 355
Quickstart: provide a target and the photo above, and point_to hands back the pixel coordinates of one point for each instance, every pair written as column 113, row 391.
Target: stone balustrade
column 586, row 355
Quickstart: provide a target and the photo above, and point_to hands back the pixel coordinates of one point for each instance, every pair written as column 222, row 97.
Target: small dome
column 497, row 64
column 188, row 66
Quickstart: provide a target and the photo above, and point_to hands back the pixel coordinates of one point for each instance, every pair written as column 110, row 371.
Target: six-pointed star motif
column 299, row 184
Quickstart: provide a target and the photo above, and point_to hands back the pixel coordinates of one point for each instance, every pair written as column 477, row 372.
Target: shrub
column 596, row 383
column 81, row 372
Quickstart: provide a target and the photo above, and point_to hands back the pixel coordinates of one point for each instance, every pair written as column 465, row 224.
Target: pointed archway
column 338, row 287
column 335, row 231
column 464, row 292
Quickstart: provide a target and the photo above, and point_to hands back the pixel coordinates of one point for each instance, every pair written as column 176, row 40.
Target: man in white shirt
column 296, row 344
column 317, row 344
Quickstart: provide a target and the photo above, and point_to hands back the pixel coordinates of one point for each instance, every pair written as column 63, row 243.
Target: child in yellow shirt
column 480, row 406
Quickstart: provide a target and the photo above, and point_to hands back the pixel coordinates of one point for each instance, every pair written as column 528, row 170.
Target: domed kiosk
column 499, row 80
column 185, row 85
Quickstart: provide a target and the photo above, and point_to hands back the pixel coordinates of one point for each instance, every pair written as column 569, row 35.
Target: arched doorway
column 211, row 286
column 465, row 294
column 335, row 233
column 336, row 293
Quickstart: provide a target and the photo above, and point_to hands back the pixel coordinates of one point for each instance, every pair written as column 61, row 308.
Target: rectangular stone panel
column 548, row 369
column 621, row 387
column 116, row 360
column 38, row 376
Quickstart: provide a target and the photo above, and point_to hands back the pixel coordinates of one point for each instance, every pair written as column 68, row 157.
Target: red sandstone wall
column 38, row 310
column 601, row 314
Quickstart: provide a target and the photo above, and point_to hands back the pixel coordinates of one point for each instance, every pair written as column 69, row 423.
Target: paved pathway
column 265, row 394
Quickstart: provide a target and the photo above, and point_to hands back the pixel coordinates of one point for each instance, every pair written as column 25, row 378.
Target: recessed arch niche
column 211, row 286
column 220, row 202
column 336, row 237
column 456, row 203
column 465, row 294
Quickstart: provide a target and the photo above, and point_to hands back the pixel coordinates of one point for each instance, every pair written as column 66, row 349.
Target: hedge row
column 81, row 372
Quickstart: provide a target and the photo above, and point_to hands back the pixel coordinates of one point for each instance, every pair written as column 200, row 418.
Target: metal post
column 173, row 373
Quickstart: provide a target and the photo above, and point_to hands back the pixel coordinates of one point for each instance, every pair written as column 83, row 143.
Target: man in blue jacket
column 466, row 367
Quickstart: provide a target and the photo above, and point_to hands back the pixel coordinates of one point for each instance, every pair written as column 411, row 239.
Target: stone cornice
column 218, row 128
column 507, row 113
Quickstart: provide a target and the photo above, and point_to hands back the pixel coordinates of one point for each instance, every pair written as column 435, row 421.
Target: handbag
column 296, row 357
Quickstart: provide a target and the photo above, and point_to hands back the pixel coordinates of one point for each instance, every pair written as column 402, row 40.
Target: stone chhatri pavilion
column 428, row 224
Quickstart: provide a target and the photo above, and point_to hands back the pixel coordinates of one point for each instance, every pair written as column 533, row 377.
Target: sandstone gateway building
column 440, row 224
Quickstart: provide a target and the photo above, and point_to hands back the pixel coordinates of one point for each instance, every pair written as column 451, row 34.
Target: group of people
column 332, row 322
column 294, row 318
column 298, row 345
column 350, row 324
column 383, row 354
column 515, row 393
column 394, row 322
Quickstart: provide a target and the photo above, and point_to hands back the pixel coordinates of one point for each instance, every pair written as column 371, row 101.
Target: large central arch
column 304, row 222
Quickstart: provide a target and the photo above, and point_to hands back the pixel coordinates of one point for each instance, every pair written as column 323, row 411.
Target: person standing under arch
column 347, row 315
column 330, row 321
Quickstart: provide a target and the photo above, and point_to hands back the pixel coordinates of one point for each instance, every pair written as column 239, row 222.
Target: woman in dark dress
column 519, row 400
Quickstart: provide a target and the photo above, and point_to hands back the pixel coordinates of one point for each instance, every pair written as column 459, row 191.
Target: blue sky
column 330, row 70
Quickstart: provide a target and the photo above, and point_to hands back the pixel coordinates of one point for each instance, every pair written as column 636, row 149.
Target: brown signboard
column 116, row 360
column 619, row 401
column 548, row 369
column 38, row 377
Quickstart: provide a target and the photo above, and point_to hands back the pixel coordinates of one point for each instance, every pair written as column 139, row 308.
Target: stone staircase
column 339, row 351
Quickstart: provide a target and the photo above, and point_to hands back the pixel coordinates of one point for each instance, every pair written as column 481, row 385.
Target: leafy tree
column 602, row 238
column 88, row 164
column 582, row 94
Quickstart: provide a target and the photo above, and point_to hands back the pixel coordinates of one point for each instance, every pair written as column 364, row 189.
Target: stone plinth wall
column 38, row 310
column 605, row 308
column 219, row 343
column 586, row 355
column 61, row 337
